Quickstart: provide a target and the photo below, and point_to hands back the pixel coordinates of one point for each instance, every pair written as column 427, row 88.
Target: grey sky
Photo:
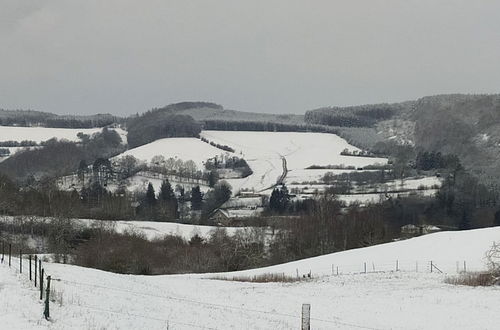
column 122, row 56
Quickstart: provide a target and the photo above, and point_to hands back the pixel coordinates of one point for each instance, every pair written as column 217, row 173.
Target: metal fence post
column 41, row 283
column 46, row 312
column 10, row 253
column 30, row 265
column 36, row 259
column 20, row 261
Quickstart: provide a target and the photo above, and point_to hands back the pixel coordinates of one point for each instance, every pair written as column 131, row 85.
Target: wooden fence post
column 397, row 265
column 465, row 267
column 431, row 266
column 306, row 317
column 20, row 261
column 36, row 259
column 41, row 283
column 365, row 267
column 10, row 252
column 30, row 265
column 46, row 312
column 3, row 251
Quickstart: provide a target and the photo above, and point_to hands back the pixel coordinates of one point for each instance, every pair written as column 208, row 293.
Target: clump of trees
column 62, row 157
column 426, row 161
column 157, row 124
column 4, row 152
column 214, row 199
column 355, row 116
column 24, row 143
column 162, row 208
column 225, row 162
column 132, row 253
column 217, row 145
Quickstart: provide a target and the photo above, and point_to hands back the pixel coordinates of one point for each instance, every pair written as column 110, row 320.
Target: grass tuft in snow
column 263, row 278
column 475, row 279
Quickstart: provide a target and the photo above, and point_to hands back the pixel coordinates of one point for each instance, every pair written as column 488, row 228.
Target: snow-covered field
column 93, row 299
column 312, row 175
column 39, row 134
column 373, row 198
column 178, row 148
column 151, row 229
column 265, row 153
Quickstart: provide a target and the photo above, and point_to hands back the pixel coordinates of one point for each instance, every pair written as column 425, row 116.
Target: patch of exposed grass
column 474, row 279
column 263, row 278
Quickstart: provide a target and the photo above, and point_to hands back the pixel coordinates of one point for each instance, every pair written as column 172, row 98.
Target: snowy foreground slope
column 93, row 299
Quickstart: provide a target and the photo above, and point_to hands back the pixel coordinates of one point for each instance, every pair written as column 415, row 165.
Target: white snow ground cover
column 39, row 134
column 154, row 229
column 265, row 153
column 151, row 229
column 178, row 148
column 93, row 299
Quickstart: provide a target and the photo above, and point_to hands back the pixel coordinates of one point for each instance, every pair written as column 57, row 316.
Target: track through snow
column 93, row 299
column 265, row 151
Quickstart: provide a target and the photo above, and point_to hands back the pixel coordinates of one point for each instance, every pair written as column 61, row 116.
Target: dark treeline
column 224, row 125
column 24, row 143
column 189, row 105
column 217, row 145
column 356, row 116
column 75, row 122
column 61, row 157
column 426, row 161
column 156, row 124
column 27, row 118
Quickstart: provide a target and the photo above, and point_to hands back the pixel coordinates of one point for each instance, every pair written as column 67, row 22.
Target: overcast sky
column 123, row 57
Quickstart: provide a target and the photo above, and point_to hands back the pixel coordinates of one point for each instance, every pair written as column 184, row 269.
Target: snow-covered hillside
column 154, row 229
column 269, row 154
column 39, row 134
column 93, row 299
column 444, row 249
column 179, row 148
column 150, row 229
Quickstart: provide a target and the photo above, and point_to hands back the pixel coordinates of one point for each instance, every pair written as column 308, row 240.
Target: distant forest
column 158, row 124
column 223, row 125
column 26, row 118
column 357, row 116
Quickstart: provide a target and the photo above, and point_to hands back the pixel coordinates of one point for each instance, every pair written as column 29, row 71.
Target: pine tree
column 168, row 206
column 166, row 191
column 150, row 199
column 196, row 198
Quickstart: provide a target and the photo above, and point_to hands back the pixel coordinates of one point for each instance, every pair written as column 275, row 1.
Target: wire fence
column 32, row 266
column 370, row 267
